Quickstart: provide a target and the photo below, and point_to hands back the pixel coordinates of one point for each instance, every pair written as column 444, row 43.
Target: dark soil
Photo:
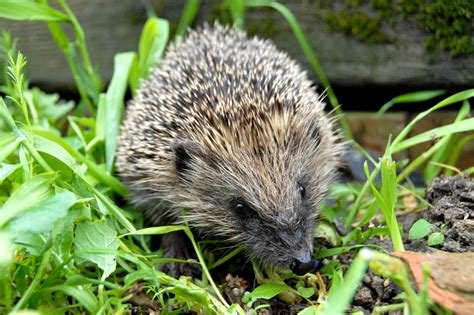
column 452, row 213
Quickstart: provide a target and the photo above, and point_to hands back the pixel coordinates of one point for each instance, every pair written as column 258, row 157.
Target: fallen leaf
column 451, row 281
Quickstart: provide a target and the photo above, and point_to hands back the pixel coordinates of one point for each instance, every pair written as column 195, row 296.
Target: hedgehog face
column 265, row 200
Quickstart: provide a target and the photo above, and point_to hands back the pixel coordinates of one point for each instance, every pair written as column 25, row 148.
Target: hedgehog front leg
column 176, row 245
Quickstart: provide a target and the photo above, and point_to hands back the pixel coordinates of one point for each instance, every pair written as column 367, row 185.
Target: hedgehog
column 229, row 134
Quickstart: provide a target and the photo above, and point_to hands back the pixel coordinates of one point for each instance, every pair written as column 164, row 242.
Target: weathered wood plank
column 114, row 26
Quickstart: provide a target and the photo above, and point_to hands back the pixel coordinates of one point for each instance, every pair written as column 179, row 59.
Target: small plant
column 67, row 244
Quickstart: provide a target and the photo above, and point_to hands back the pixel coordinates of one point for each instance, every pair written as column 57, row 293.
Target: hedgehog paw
column 176, row 246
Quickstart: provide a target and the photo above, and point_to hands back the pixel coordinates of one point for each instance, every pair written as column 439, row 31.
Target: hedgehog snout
column 305, row 264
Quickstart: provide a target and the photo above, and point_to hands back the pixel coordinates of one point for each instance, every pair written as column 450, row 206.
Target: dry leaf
column 451, row 281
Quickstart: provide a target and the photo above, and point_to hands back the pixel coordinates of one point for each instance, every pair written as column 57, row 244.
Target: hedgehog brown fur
column 229, row 128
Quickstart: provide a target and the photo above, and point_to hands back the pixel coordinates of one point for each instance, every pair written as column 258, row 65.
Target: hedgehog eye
column 302, row 190
column 243, row 211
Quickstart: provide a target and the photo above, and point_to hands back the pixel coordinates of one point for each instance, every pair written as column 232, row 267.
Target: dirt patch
column 453, row 211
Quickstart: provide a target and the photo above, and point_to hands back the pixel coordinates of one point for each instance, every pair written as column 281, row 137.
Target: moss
column 449, row 22
column 356, row 24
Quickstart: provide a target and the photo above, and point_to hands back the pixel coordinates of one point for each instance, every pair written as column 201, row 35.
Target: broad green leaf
column 98, row 234
column 435, row 238
column 420, row 229
column 93, row 168
column 115, row 104
column 312, row 310
column 7, row 169
column 153, row 42
column 57, row 152
column 29, row 194
column 23, row 10
column 187, row 293
column 305, row 292
column 6, row 249
column 35, row 244
column 83, row 295
column 8, row 144
column 269, row 290
column 41, row 217
column 64, row 238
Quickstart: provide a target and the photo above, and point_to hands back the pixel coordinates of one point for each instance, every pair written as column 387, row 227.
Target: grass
column 69, row 244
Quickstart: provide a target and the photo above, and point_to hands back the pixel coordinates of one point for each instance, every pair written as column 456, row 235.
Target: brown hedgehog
column 230, row 129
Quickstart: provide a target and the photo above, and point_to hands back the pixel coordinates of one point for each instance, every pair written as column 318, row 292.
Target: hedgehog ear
column 185, row 153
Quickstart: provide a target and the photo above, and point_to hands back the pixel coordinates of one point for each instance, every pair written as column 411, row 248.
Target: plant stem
column 34, row 284
column 204, row 267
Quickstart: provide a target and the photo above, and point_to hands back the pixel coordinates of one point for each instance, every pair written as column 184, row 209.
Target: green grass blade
column 456, row 98
column 115, row 104
column 153, row 42
column 413, row 97
column 460, row 126
column 22, row 10
column 340, row 297
column 237, row 10
column 440, row 156
column 456, row 152
column 188, row 15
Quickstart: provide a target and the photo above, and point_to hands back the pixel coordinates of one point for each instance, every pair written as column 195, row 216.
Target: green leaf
column 82, row 295
column 153, row 42
column 456, row 127
column 158, row 230
column 100, row 122
column 420, row 229
column 269, row 290
column 341, row 295
column 115, row 104
column 29, row 194
column 23, row 10
column 7, row 169
column 435, row 238
column 91, row 235
column 6, row 249
column 305, row 292
column 188, row 15
column 312, row 310
column 57, row 157
column 8, row 143
column 35, row 244
column 41, row 217
column 413, row 97
column 64, row 238
column 237, row 10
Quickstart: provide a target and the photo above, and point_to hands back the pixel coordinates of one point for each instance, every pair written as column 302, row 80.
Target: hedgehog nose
column 303, row 265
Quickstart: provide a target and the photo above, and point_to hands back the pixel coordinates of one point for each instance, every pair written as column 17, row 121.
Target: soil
column 452, row 213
